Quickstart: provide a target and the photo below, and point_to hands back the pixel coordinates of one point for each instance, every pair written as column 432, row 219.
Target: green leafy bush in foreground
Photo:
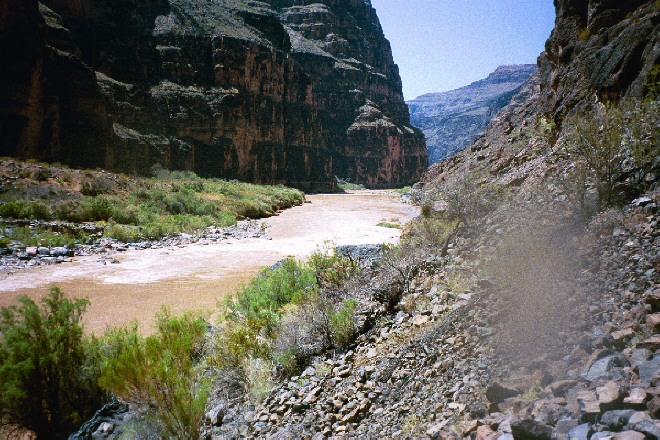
column 282, row 317
column 162, row 371
column 48, row 377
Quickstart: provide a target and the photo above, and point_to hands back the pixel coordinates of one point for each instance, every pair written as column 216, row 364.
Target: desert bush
column 69, row 210
column 284, row 316
column 42, row 174
column 25, row 209
column 96, row 185
column 331, row 269
column 342, row 324
column 258, row 378
column 123, row 233
column 48, row 374
column 162, row 370
column 98, row 208
column 613, row 143
column 260, row 302
column 467, row 198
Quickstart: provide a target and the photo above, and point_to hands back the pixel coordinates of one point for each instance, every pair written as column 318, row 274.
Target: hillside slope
column 271, row 92
column 453, row 120
column 531, row 315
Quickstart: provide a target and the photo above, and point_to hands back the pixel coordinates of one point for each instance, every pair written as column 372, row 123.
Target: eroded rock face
column 260, row 91
column 599, row 48
column 453, row 120
column 50, row 106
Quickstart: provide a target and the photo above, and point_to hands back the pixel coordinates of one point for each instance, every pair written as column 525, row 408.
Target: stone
column 608, row 395
column 560, row 388
column 622, row 336
column 587, row 402
column 434, row 430
column 654, row 407
column 312, row 396
column 485, row 432
column 649, row 370
column 580, row 432
column 616, row 419
column 61, row 252
column 637, row 397
column 653, row 322
column 639, row 356
column 106, row 428
column 638, row 417
column 498, row 393
column 530, row 429
column 629, row 435
column 652, row 343
column 651, row 428
column 609, row 367
column 420, row 320
column 371, row 353
column 215, row 415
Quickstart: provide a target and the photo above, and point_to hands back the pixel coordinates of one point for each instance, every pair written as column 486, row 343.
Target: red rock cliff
column 266, row 92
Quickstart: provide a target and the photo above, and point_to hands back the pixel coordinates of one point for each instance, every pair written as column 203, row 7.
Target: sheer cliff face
column 599, row 48
column 269, row 92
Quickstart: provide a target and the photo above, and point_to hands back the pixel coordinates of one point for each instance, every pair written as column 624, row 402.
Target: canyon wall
column 453, row 120
column 269, row 92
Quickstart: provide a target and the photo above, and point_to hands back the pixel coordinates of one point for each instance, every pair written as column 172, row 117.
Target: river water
column 198, row 276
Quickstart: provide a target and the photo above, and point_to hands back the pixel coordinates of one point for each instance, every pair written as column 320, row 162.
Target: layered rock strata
column 269, row 92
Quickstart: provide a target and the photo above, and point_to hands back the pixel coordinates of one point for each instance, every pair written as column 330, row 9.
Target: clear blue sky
column 442, row 45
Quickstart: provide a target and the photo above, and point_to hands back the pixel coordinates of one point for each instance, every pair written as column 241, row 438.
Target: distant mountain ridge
column 453, row 120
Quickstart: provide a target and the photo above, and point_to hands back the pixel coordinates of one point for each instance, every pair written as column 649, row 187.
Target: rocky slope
column 452, row 120
column 531, row 322
column 272, row 92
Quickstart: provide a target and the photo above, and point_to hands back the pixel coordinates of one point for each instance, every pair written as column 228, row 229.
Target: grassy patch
column 389, row 225
column 136, row 208
column 345, row 185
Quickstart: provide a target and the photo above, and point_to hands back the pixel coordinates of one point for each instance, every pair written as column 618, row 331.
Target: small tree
column 47, row 378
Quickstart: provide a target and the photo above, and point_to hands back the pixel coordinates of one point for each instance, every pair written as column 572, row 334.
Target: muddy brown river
column 198, row 276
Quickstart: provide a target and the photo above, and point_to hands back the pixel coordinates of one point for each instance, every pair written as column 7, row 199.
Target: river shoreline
column 133, row 284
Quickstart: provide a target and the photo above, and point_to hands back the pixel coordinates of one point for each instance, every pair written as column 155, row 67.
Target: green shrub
column 342, row 325
column 69, row 210
column 97, row 185
column 259, row 303
column 123, row 233
column 98, row 208
column 389, row 225
column 25, row 209
column 162, row 370
column 47, row 373
column 611, row 142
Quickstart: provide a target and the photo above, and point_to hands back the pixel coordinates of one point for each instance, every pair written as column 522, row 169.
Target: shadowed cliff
column 266, row 92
